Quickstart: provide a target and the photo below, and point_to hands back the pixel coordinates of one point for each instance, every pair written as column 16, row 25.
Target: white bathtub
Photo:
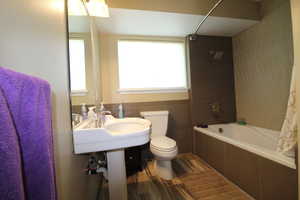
column 253, row 139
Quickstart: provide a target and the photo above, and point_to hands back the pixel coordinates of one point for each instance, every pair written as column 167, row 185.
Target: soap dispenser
column 91, row 113
column 84, row 111
column 102, row 107
column 121, row 112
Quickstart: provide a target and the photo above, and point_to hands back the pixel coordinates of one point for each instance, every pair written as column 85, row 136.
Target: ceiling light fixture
column 97, row 8
column 76, row 8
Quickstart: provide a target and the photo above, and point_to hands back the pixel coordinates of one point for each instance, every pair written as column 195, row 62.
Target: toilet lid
column 163, row 142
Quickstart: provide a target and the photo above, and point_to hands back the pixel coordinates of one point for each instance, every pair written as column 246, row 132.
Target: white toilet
column 163, row 148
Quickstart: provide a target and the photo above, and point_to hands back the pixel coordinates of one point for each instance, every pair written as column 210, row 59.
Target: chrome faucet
column 102, row 118
column 76, row 119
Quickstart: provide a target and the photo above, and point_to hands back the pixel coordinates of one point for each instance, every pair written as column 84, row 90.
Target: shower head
column 217, row 55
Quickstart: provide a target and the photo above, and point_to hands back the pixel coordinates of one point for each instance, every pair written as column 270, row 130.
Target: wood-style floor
column 194, row 180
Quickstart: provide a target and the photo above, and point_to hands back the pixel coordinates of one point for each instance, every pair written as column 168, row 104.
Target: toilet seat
column 163, row 143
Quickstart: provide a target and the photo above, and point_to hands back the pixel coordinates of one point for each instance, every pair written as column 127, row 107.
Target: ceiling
column 154, row 23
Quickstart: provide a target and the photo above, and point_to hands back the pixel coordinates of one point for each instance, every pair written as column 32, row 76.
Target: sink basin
column 116, row 134
column 127, row 126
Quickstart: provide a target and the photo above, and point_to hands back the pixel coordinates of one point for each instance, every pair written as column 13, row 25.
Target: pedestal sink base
column 113, row 137
column 117, row 180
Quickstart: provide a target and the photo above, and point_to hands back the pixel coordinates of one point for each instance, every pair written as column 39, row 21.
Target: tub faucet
column 215, row 107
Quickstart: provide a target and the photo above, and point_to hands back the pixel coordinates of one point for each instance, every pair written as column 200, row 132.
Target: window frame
column 85, row 91
column 160, row 89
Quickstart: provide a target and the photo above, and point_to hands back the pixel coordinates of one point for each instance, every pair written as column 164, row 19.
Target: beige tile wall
column 263, row 60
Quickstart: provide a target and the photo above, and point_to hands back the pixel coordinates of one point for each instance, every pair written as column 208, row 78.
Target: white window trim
column 84, row 92
column 153, row 90
column 75, row 93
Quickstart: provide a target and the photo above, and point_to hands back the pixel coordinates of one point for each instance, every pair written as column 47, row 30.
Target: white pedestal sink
column 114, row 137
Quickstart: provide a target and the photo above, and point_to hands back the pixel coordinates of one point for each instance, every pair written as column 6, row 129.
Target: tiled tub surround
column 212, row 80
column 263, row 62
column 179, row 124
column 246, row 155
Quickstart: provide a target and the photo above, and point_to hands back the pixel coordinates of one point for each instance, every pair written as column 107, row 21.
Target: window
column 155, row 66
column 77, row 66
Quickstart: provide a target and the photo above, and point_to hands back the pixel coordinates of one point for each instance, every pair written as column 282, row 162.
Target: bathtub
column 260, row 141
column 246, row 155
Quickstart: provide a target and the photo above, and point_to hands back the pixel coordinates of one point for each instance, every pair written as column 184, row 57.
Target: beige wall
column 295, row 5
column 263, row 60
column 245, row 9
column 109, row 71
column 33, row 41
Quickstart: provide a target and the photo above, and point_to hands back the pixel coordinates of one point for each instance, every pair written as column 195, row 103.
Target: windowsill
column 151, row 91
column 78, row 93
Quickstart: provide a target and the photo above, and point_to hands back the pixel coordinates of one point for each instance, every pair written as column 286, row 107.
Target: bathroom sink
column 113, row 137
column 116, row 134
column 127, row 126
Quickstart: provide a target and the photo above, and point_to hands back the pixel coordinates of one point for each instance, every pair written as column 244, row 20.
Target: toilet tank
column 159, row 121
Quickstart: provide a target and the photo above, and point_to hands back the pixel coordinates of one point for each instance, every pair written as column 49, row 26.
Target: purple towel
column 11, row 182
column 29, row 102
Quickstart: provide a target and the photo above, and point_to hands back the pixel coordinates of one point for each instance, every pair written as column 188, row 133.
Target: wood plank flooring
column 194, row 180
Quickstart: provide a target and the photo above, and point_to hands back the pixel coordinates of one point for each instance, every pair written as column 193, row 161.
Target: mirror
column 84, row 59
column 121, row 66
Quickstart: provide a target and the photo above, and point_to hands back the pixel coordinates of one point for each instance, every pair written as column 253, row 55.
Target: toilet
column 163, row 148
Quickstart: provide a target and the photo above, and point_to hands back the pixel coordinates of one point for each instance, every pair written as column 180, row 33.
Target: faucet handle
column 105, row 113
column 215, row 107
column 108, row 117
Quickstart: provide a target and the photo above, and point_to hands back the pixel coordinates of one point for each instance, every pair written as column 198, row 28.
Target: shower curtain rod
column 85, row 7
column 208, row 14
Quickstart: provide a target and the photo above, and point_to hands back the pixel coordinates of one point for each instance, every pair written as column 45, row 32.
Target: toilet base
column 164, row 169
